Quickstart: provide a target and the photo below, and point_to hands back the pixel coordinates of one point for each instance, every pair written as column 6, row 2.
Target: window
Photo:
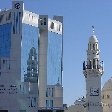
column 103, row 97
column 47, row 103
column 90, row 46
column 1, row 85
column 108, row 96
column 51, row 103
column 32, row 57
column 93, row 46
column 0, row 63
column 45, row 21
column 52, row 92
column 8, row 16
column 22, row 110
column 3, row 110
column 9, row 66
column 59, row 28
column 33, row 102
column 96, row 46
column 3, row 61
column 90, row 64
column 47, row 93
column 52, row 25
column 94, row 66
column 41, row 21
column 1, row 17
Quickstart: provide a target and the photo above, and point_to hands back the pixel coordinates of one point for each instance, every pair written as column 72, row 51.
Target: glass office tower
column 31, row 53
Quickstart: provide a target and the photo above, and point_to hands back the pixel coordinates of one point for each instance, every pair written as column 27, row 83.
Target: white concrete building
column 30, row 44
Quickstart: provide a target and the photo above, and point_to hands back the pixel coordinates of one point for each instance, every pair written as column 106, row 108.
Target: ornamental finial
column 93, row 31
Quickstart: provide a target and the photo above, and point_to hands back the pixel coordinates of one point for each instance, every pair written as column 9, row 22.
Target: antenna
column 93, row 31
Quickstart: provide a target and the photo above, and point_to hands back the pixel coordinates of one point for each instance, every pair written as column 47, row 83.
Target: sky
column 79, row 16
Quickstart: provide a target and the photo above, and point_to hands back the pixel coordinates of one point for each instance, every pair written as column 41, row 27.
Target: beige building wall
column 107, row 96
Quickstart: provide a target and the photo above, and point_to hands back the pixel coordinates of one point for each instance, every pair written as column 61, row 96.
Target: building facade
column 31, row 52
column 79, row 106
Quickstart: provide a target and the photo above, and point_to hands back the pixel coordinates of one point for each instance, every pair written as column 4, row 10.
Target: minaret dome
column 93, row 39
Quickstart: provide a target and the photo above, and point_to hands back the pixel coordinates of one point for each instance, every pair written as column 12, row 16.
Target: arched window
column 90, row 46
column 93, row 46
column 108, row 96
column 103, row 97
column 94, row 64
column 96, row 46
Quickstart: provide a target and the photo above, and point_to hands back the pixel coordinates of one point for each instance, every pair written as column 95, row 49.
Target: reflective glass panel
column 5, row 40
column 29, row 49
column 54, row 59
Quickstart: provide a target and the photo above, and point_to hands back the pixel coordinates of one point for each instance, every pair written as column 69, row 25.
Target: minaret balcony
column 93, row 72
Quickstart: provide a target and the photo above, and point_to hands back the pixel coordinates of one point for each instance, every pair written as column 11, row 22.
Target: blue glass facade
column 54, row 59
column 5, row 40
column 29, row 41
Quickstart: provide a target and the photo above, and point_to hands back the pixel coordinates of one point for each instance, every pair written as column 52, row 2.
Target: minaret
column 93, row 70
column 32, row 73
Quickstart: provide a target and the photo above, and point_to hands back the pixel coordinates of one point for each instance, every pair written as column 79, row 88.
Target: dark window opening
column 9, row 16
column 93, row 46
column 94, row 66
column 59, row 27
column 3, row 61
column 1, row 17
column 44, row 23
column 13, row 30
column 108, row 96
column 41, row 21
column 103, row 97
column 44, row 19
column 52, row 25
column 3, row 110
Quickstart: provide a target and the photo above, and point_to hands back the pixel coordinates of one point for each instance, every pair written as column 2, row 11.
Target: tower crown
column 93, row 64
column 93, row 44
column 93, row 39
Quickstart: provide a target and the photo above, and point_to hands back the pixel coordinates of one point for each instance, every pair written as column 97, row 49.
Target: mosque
column 97, row 99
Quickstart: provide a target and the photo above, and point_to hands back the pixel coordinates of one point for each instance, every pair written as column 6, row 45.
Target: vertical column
column 16, row 35
column 42, row 67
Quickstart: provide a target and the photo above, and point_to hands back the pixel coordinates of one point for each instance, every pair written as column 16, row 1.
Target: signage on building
column 17, row 5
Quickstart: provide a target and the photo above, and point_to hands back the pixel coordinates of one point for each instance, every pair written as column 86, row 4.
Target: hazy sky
column 79, row 16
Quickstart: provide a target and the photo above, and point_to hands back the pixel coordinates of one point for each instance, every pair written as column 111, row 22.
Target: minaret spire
column 93, row 31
